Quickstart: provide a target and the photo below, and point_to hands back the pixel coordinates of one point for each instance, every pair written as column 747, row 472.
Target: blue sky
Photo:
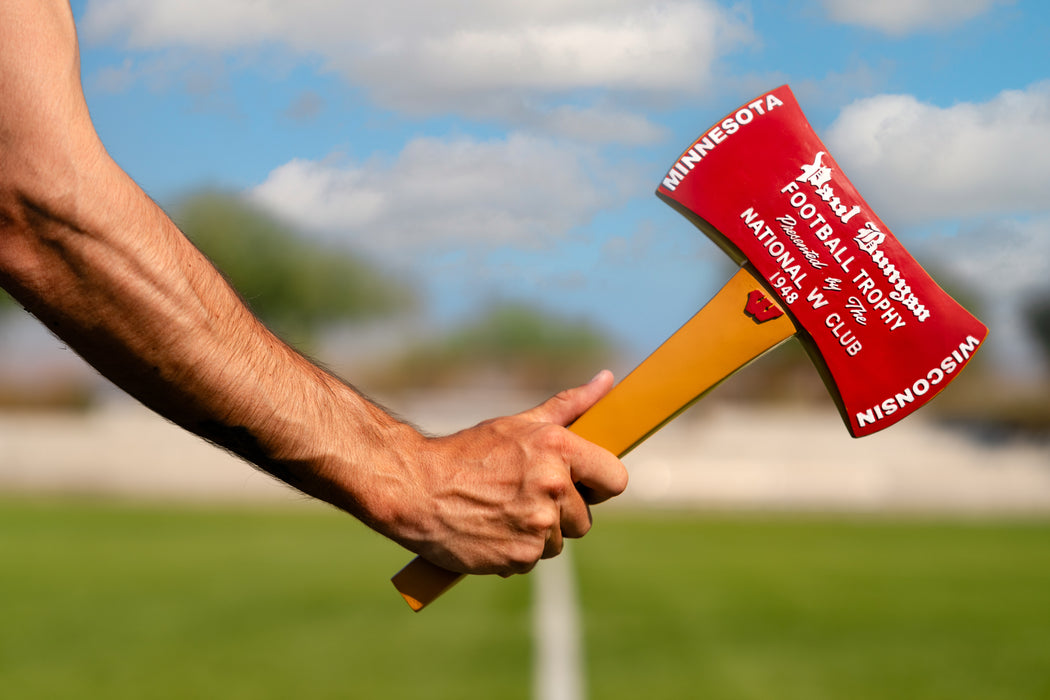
column 510, row 149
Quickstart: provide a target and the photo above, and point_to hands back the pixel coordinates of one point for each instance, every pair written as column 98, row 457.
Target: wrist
column 349, row 452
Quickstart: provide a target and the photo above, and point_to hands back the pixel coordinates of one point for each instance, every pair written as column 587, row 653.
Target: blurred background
column 451, row 206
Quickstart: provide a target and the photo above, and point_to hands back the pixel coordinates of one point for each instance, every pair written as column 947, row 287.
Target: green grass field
column 122, row 601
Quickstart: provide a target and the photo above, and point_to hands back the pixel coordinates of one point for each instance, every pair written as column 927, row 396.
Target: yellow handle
column 720, row 339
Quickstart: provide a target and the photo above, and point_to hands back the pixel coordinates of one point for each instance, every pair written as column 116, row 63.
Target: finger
column 597, row 473
column 568, row 405
column 576, row 518
column 554, row 544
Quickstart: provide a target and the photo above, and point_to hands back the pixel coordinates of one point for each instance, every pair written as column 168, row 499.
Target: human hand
column 498, row 497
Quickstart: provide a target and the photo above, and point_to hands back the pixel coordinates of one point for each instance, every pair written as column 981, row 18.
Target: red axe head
column 766, row 189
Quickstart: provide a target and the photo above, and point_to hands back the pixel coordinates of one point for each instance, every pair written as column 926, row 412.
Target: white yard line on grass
column 558, row 655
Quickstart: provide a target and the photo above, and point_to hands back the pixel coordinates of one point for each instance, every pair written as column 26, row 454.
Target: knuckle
column 583, row 528
column 523, row 559
column 553, row 482
column 578, row 523
column 541, row 520
column 565, row 396
column 552, row 437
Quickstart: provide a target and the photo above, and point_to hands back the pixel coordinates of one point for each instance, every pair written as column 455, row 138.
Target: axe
column 816, row 264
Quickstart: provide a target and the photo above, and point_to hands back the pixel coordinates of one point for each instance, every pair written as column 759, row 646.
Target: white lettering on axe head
column 716, row 135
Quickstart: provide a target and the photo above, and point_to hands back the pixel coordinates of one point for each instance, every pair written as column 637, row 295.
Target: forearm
column 108, row 272
column 142, row 305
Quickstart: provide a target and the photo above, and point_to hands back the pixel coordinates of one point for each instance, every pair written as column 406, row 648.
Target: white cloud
column 440, row 196
column 900, row 17
column 917, row 162
column 628, row 46
column 595, row 125
column 200, row 23
column 501, row 58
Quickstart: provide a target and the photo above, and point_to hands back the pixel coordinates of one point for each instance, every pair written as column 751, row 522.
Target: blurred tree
column 1037, row 314
column 507, row 344
column 292, row 283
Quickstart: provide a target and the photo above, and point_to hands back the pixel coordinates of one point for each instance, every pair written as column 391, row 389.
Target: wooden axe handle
column 720, row 339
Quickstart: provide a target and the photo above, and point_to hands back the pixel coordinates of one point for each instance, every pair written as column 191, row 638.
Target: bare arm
column 87, row 252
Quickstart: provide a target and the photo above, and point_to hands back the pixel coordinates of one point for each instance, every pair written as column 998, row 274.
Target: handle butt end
column 421, row 583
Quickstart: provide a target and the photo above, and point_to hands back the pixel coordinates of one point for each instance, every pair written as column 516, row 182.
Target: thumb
column 566, row 406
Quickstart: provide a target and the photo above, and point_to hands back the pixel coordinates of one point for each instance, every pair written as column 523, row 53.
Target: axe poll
column 816, row 264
